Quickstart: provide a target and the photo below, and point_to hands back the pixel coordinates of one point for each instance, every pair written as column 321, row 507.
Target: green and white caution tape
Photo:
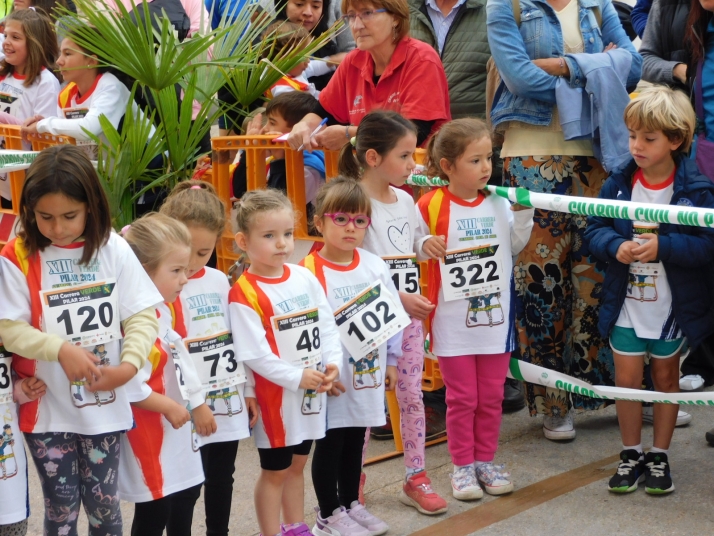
column 423, row 180
column 625, row 210
column 16, row 160
column 528, row 372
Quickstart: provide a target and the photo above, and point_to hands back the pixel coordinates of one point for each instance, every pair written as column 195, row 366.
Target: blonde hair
column 451, row 141
column 196, row 203
column 153, row 236
column 256, row 202
column 664, row 109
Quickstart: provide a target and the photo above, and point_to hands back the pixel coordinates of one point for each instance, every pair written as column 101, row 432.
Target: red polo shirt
column 413, row 84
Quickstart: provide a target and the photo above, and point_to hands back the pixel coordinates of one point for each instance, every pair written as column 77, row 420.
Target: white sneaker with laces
column 464, row 485
column 559, row 428
column 372, row 523
column 683, row 418
column 691, row 382
column 338, row 524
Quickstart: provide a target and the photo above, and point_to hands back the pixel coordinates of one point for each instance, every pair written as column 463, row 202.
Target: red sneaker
column 362, row 480
column 417, row 493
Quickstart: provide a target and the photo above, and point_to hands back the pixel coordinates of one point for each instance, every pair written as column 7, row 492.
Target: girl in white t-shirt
column 77, row 313
column 28, row 85
column 472, row 327
column 348, row 274
column 203, row 321
column 161, row 465
column 382, row 161
column 289, row 342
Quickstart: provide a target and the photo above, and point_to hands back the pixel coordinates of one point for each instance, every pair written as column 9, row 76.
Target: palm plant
column 232, row 55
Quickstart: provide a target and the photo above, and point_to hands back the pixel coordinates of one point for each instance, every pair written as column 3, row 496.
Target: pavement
column 561, row 488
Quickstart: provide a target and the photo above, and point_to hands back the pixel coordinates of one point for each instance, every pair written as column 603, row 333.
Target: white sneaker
column 464, row 485
column 691, row 382
column 559, row 428
column 338, row 524
column 683, row 418
column 372, row 523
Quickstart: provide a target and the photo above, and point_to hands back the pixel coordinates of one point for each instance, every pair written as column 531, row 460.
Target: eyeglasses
column 361, row 221
column 364, row 16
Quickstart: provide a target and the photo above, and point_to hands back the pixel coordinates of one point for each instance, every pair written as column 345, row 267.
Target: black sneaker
column 658, row 481
column 513, row 397
column 709, row 436
column 629, row 473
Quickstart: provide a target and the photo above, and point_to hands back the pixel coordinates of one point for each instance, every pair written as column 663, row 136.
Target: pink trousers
column 474, row 393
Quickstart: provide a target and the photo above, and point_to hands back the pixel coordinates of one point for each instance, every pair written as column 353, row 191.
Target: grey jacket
column 345, row 41
column 658, row 61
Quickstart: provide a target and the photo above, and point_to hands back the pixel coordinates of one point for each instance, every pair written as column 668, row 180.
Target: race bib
column 179, row 355
column 466, row 273
column 405, row 273
column 9, row 103
column 645, row 268
column 215, row 361
column 369, row 320
column 5, row 376
column 298, row 338
column 75, row 113
column 84, row 316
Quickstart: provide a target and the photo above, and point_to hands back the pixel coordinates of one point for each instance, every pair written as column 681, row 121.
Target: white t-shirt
column 204, row 312
column 156, row 459
column 69, row 407
column 75, row 114
column 13, row 463
column 288, row 415
column 648, row 302
column 362, row 403
column 24, row 102
column 482, row 324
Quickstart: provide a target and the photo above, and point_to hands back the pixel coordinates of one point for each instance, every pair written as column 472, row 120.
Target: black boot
column 513, row 397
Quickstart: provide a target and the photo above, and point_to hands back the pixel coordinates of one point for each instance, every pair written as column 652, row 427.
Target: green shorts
column 625, row 341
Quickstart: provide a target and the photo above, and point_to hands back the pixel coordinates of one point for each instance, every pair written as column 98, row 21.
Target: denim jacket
column 526, row 92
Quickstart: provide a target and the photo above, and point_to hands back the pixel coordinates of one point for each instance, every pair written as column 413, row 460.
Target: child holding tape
column 654, row 294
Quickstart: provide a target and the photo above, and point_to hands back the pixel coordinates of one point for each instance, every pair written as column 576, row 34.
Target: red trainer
column 417, row 493
column 362, row 480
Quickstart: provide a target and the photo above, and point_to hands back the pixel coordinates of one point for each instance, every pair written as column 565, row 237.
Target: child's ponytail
column 347, row 165
column 433, row 169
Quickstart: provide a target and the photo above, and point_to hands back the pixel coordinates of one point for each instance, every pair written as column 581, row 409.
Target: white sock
column 477, row 463
column 638, row 448
column 411, row 472
column 656, row 449
column 457, row 467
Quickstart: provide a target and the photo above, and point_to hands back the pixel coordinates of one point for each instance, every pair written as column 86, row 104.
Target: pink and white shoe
column 372, row 523
column 338, row 524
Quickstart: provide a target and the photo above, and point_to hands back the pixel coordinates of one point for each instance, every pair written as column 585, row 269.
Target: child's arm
column 28, row 389
column 603, row 241
column 689, row 250
column 330, row 343
column 520, row 221
column 174, row 412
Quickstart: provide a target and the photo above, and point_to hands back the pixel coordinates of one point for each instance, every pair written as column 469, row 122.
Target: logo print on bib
column 400, row 239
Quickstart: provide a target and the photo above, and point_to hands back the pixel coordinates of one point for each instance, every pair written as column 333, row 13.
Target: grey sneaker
column 559, row 428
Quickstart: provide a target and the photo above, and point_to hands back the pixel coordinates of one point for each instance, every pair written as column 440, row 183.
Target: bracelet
column 562, row 65
column 347, row 132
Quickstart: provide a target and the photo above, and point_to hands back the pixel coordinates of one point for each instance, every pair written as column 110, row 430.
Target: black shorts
column 281, row 458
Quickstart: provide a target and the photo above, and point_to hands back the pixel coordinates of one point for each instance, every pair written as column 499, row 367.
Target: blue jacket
column 687, row 253
column 597, row 112
column 639, row 16
column 527, row 92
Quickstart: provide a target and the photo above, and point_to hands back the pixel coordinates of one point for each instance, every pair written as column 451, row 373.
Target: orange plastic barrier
column 43, row 141
column 8, row 217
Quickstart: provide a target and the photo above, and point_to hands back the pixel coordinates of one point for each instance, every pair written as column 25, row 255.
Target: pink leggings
column 409, row 397
column 474, row 393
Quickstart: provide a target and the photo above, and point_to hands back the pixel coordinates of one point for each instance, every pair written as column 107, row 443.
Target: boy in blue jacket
column 658, row 287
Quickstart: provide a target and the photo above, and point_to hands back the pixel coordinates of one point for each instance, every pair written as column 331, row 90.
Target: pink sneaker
column 296, row 529
column 417, row 493
column 338, row 524
column 372, row 523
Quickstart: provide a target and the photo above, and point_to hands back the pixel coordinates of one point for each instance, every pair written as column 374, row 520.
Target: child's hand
column 255, row 126
column 648, row 251
column 79, row 363
column 390, row 382
column 435, row 247
column 516, row 207
column 624, row 252
column 337, row 389
column 204, row 421
column 33, row 388
column 331, row 373
column 252, row 405
column 311, row 379
column 177, row 415
column 416, row 305
column 113, row 377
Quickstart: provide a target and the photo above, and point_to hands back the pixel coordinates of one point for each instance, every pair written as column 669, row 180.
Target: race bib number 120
column 298, row 338
column 85, row 316
column 472, row 272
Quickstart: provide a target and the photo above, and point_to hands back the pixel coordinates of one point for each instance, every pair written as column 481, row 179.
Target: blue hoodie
column 687, row 253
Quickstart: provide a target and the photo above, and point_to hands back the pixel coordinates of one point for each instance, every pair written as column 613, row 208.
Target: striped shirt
column 442, row 23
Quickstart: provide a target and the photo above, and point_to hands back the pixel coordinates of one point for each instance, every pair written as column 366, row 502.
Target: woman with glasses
column 388, row 70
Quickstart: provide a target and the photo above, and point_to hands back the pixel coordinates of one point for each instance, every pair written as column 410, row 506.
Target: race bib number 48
column 85, row 316
column 472, row 272
column 298, row 338
column 215, row 360
column 405, row 273
column 369, row 320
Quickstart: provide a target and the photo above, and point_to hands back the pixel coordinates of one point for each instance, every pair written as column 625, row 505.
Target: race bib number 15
column 405, row 273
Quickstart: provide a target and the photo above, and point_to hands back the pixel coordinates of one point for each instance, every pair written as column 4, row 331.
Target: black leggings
column 219, row 463
column 173, row 513
column 336, row 468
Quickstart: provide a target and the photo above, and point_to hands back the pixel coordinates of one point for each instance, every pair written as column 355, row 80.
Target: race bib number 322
column 298, row 338
column 472, row 272
column 85, row 316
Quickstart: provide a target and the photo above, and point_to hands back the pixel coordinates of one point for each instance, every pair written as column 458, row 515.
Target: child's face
column 651, row 148
column 343, row 238
column 170, row 276
column 269, row 242
column 15, row 46
column 60, row 219
column 398, row 163
column 71, row 61
column 276, row 123
column 203, row 241
column 473, row 168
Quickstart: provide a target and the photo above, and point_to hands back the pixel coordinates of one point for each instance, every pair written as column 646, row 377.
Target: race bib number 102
column 85, row 316
column 472, row 272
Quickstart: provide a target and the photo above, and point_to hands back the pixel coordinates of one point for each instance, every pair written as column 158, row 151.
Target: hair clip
column 125, row 229
column 196, row 187
column 353, row 141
